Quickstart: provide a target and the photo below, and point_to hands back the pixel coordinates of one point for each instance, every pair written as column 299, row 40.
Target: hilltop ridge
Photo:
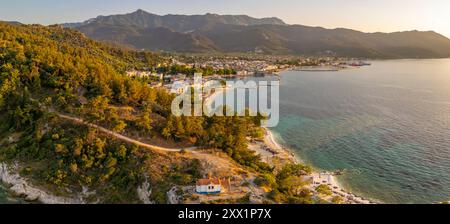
column 241, row 33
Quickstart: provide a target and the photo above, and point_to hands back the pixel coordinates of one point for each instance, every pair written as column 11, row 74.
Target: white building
column 139, row 74
column 242, row 73
column 209, row 186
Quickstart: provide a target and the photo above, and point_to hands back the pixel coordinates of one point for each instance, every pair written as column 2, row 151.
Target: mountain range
column 241, row 33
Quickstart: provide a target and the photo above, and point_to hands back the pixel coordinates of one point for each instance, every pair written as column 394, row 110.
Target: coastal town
column 219, row 68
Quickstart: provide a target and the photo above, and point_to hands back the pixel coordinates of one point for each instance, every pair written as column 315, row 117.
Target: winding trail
column 122, row 137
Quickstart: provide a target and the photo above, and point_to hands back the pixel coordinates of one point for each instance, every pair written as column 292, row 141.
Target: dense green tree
column 144, row 120
column 337, row 200
column 48, row 70
column 324, row 190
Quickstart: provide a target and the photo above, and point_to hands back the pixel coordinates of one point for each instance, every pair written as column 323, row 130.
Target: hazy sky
column 364, row 15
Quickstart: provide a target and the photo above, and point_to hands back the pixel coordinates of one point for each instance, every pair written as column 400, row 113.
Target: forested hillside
column 51, row 71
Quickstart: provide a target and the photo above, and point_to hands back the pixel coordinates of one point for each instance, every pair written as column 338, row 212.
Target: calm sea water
column 387, row 124
column 6, row 198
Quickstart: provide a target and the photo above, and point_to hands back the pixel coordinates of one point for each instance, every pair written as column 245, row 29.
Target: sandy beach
column 276, row 155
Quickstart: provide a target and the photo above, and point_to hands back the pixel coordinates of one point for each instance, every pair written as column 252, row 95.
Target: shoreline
column 318, row 177
column 274, row 153
column 20, row 187
column 269, row 148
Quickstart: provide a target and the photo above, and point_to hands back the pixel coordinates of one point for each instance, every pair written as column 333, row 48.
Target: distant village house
column 144, row 74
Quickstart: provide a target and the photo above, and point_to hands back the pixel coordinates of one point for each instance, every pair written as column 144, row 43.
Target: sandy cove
column 276, row 155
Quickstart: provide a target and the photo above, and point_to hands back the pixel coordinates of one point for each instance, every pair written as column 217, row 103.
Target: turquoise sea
column 387, row 125
column 6, row 198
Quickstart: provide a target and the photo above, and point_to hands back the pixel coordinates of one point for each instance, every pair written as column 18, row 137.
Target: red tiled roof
column 203, row 182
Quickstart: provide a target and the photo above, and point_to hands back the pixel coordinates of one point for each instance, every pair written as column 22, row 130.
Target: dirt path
column 122, row 137
column 217, row 165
